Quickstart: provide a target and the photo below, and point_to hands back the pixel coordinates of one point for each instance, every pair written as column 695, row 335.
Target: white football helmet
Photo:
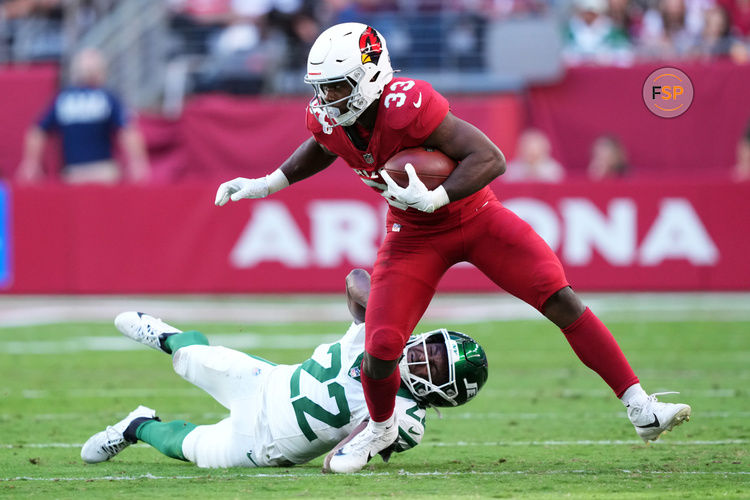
column 350, row 52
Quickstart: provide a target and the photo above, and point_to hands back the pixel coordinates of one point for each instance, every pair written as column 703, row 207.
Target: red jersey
column 408, row 112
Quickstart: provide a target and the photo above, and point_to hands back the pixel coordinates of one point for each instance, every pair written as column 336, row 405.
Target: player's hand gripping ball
column 417, row 195
column 432, row 166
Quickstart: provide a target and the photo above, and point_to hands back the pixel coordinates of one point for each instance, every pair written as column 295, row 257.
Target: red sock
column 597, row 348
column 380, row 394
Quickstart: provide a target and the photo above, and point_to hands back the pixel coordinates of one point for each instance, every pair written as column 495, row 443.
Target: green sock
column 167, row 437
column 184, row 339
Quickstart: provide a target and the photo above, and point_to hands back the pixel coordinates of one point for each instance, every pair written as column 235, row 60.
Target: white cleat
column 144, row 328
column 106, row 444
column 653, row 418
column 364, row 442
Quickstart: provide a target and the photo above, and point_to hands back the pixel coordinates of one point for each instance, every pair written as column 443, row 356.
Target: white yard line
column 587, row 442
column 250, row 309
column 194, row 392
column 7, row 417
column 117, row 342
column 581, row 442
column 386, row 474
column 57, row 445
column 105, row 416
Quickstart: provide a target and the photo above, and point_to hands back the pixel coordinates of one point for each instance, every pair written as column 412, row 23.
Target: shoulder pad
column 413, row 104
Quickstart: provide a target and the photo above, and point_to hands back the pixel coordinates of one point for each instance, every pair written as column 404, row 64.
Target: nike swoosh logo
column 419, row 101
column 655, row 423
column 412, row 431
column 250, row 456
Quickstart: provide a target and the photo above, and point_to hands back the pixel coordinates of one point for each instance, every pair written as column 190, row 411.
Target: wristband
column 276, row 181
column 440, row 197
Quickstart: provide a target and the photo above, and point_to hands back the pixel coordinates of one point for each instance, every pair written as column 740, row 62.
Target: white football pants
column 236, row 381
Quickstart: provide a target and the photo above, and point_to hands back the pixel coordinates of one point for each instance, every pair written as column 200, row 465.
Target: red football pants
column 412, row 260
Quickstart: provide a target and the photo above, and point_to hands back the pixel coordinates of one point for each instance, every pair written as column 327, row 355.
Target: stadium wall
column 591, row 101
column 25, row 91
column 677, row 224
column 639, row 235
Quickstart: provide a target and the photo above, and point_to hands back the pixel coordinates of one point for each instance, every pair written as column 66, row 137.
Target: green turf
column 524, row 436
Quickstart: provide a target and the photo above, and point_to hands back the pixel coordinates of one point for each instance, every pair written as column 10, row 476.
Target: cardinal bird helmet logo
column 370, row 46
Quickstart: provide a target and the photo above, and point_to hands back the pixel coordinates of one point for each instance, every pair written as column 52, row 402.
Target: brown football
column 432, row 166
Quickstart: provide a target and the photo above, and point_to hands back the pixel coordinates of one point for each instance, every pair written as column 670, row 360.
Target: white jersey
column 312, row 406
column 281, row 414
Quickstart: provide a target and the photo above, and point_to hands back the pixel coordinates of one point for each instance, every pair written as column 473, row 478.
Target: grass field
column 543, row 426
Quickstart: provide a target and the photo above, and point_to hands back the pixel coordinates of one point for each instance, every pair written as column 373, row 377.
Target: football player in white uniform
column 290, row 414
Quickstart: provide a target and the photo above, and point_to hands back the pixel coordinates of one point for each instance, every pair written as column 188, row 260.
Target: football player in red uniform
column 364, row 115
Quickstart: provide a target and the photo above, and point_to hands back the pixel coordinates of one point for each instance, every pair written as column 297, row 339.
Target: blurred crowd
column 31, row 29
column 245, row 46
column 240, row 45
column 594, row 31
column 40, row 30
column 625, row 31
column 611, row 32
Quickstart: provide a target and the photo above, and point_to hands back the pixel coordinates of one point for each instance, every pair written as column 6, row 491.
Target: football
column 432, row 166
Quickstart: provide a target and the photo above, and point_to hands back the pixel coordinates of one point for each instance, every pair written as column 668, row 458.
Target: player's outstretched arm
column 480, row 159
column 310, row 158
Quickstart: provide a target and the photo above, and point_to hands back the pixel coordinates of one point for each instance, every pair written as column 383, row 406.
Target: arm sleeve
column 411, row 422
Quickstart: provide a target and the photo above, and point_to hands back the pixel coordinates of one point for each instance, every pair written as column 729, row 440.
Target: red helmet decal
column 370, row 46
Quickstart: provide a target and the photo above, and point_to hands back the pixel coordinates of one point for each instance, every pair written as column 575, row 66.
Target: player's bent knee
column 385, row 343
column 179, row 362
column 217, row 446
column 183, row 358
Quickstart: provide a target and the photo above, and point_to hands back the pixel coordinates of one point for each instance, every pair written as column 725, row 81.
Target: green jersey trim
column 407, row 438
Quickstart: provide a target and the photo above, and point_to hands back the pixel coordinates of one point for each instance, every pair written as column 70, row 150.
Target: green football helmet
column 467, row 369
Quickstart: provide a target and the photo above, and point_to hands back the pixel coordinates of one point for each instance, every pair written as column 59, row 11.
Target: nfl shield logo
column 368, row 158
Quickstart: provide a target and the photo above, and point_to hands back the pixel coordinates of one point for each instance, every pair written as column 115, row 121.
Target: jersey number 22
column 304, row 405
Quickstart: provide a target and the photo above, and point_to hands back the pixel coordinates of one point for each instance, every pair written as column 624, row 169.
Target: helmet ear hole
column 375, row 77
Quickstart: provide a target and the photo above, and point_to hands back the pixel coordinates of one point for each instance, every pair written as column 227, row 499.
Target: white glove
column 415, row 195
column 240, row 188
